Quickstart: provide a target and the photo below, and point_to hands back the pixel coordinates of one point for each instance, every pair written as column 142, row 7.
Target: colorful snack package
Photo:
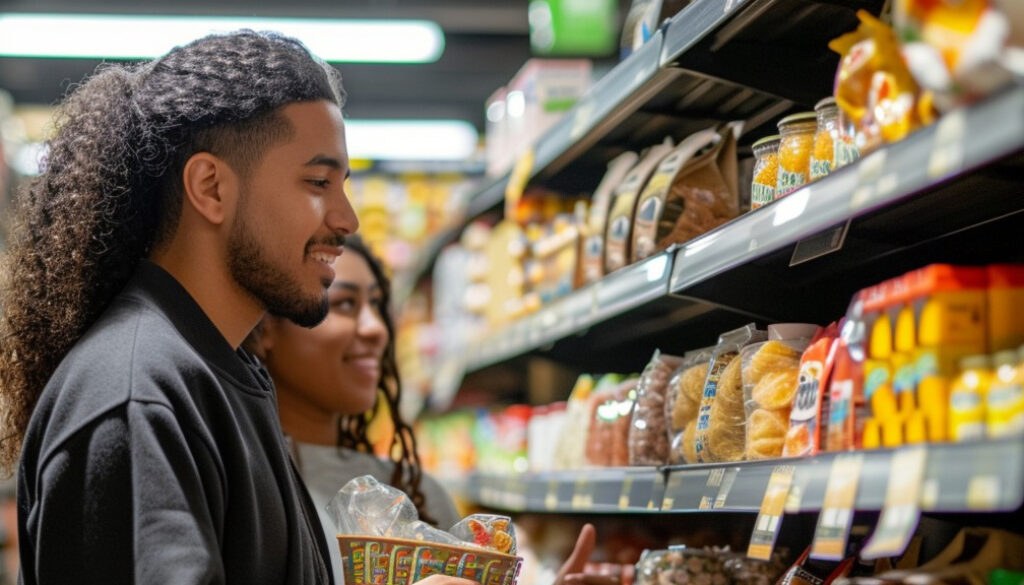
column 727, row 350
column 809, row 409
column 648, row 433
column 592, row 256
column 619, row 227
column 487, row 531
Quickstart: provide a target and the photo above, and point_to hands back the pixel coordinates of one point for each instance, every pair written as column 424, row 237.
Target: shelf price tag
column 901, row 511
column 836, row 516
column 983, row 493
column 551, row 499
column 657, row 492
column 947, row 155
column 672, row 489
column 711, row 489
column 581, row 119
column 769, row 519
column 583, row 493
column 627, row 489
column 727, row 481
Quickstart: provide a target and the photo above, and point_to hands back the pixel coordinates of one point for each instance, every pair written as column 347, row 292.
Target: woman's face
column 333, row 368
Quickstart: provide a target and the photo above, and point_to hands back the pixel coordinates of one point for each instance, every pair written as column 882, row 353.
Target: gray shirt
column 325, row 470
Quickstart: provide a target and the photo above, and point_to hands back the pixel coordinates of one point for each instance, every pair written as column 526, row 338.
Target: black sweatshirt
column 155, row 455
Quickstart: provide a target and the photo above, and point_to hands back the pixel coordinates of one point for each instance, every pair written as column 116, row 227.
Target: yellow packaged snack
column 726, row 436
column 766, row 432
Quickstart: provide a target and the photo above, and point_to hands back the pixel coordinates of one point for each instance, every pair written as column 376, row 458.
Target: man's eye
column 319, row 183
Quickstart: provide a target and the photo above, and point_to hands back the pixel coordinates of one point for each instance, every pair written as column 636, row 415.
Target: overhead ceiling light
column 114, row 36
column 417, row 140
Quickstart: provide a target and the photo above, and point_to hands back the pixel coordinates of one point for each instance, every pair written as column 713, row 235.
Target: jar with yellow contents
column 766, row 170
column 797, row 143
column 833, row 143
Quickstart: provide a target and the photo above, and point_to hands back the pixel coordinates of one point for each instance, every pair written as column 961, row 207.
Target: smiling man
column 181, row 200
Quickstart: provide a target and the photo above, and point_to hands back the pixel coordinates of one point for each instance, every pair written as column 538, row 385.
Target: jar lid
column 766, row 140
column 829, row 102
column 975, row 362
column 798, row 118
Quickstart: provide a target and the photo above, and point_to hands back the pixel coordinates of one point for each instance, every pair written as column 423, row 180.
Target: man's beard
column 279, row 293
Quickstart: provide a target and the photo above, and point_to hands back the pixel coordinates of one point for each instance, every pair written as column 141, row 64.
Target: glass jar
column 766, row 171
column 797, row 142
column 833, row 144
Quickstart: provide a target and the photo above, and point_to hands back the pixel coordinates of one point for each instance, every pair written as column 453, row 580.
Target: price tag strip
column 673, row 489
column 836, row 516
column 769, row 519
column 627, row 490
column 657, row 492
column 901, row 511
column 711, row 489
column 583, row 493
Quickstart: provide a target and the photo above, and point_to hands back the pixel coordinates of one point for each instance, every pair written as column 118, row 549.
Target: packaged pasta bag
column 592, row 256
column 648, row 433
column 721, row 420
column 769, row 386
column 685, row 390
column 810, row 408
column 603, row 410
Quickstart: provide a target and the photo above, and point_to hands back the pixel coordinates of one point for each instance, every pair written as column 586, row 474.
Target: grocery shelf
column 638, row 490
column 611, row 296
column 957, row 478
column 909, row 192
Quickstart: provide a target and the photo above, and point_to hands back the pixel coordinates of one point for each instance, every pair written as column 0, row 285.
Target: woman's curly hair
column 110, row 188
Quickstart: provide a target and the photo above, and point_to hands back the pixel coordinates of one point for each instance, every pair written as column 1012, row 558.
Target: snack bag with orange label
column 807, row 417
column 847, row 410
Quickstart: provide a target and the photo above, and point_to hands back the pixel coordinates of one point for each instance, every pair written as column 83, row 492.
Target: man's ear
column 209, row 184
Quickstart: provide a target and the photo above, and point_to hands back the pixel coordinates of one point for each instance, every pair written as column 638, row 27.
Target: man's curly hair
column 110, row 188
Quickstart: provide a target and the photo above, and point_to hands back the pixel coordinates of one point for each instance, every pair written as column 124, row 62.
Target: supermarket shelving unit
column 950, row 192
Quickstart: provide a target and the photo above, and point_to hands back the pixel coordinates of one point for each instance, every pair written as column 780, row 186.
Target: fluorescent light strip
column 94, row 36
column 415, row 140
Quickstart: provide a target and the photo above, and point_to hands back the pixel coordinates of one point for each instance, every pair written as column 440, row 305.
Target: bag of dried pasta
column 682, row 402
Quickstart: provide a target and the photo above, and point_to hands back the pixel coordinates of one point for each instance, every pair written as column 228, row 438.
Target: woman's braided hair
column 110, row 188
column 352, row 429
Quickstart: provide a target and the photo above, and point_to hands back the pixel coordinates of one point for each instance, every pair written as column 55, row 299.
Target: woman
column 330, row 382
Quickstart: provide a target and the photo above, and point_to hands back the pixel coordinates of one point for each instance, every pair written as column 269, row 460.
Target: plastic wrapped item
column 611, row 417
column 681, row 566
column 682, row 403
column 720, row 424
column 366, row 506
column 747, row 571
column 487, row 531
column 693, row 191
column 571, row 442
column 770, row 372
column 648, row 433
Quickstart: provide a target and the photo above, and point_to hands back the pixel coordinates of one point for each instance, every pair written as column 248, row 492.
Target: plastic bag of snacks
column 682, row 403
column 721, row 421
column 382, row 540
column 648, row 433
column 747, row 571
column 487, row 531
column 770, row 372
column 679, row 565
column 810, row 408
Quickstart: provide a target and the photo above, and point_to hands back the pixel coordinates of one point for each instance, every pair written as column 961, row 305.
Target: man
column 180, row 201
